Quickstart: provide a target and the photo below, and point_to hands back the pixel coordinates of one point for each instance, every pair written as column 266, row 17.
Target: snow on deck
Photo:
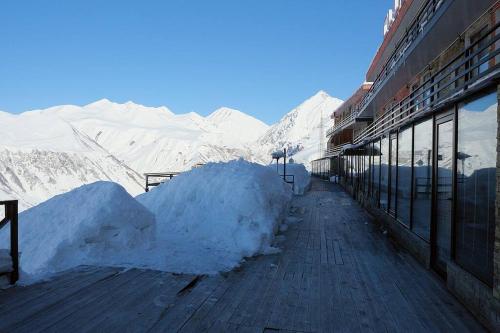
column 336, row 272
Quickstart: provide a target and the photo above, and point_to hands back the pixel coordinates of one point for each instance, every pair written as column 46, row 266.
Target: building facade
column 417, row 144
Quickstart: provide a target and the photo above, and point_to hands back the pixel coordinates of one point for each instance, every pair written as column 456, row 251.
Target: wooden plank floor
column 337, row 272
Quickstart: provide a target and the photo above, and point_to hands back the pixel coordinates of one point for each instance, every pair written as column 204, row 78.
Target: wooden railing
column 473, row 65
column 11, row 217
column 157, row 178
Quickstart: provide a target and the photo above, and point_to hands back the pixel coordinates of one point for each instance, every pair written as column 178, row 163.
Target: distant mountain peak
column 100, row 102
column 226, row 112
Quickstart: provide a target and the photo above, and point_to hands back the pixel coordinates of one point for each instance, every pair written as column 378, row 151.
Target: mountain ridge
column 55, row 149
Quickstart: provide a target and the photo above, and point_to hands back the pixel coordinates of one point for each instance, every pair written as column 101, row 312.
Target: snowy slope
column 155, row 139
column 237, row 126
column 46, row 152
column 42, row 155
column 300, row 130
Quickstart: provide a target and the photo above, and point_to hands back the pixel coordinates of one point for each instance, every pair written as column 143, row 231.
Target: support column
column 496, row 255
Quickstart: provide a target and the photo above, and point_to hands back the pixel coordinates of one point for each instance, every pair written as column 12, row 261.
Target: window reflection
column 393, row 174
column 404, row 175
column 476, row 182
column 422, row 179
column 384, row 174
column 376, row 171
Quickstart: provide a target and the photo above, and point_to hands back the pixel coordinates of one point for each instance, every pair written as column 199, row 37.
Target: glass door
column 443, row 193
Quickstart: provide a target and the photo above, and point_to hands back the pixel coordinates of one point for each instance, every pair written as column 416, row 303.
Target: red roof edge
column 388, row 36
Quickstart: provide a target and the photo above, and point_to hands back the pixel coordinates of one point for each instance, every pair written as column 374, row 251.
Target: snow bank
column 209, row 218
column 203, row 221
column 96, row 224
column 301, row 175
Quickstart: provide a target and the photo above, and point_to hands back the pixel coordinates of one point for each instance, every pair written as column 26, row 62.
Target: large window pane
column 404, row 175
column 476, row 167
column 367, row 169
column 393, row 174
column 384, row 174
column 376, row 171
column 422, row 179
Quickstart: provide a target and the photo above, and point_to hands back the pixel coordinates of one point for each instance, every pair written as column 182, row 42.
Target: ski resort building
column 417, row 145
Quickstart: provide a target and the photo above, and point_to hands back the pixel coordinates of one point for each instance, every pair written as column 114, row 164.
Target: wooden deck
column 337, row 272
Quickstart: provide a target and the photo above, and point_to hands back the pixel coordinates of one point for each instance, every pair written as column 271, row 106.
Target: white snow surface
column 210, row 218
column 203, row 221
column 96, row 224
column 301, row 177
column 303, row 130
column 47, row 152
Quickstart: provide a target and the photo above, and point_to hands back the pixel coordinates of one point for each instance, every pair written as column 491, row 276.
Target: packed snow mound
column 96, row 224
column 301, row 176
column 210, row 218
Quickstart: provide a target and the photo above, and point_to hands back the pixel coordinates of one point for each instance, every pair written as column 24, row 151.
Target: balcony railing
column 474, row 65
column 413, row 32
column 334, row 151
column 341, row 124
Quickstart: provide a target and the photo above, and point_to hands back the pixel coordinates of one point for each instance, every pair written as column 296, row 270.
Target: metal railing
column 158, row 178
column 342, row 123
column 11, row 216
column 413, row 32
column 469, row 67
column 333, row 151
column 289, row 179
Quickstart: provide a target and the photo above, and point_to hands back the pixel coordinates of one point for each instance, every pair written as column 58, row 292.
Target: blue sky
column 262, row 57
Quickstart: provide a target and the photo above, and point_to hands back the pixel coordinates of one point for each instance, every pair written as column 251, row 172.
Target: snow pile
column 96, row 224
column 300, row 173
column 210, row 218
column 203, row 221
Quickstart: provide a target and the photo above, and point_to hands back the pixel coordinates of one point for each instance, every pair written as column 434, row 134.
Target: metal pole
column 14, row 239
column 284, row 164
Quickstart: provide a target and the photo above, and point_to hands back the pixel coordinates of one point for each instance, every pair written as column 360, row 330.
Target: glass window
column 384, row 174
column 476, row 185
column 393, row 174
column 367, row 168
column 404, row 175
column 376, row 170
column 422, row 179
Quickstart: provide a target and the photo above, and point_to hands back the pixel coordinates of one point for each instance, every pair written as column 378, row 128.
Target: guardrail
column 292, row 181
column 11, row 216
column 333, row 151
column 458, row 75
column 158, row 178
column 414, row 31
column 341, row 124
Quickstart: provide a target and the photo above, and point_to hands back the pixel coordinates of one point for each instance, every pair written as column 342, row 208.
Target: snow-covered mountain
column 155, row 139
column 42, row 155
column 303, row 129
column 46, row 152
column 237, row 126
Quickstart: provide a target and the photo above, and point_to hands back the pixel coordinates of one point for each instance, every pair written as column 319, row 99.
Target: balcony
column 342, row 124
column 438, row 24
column 476, row 67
